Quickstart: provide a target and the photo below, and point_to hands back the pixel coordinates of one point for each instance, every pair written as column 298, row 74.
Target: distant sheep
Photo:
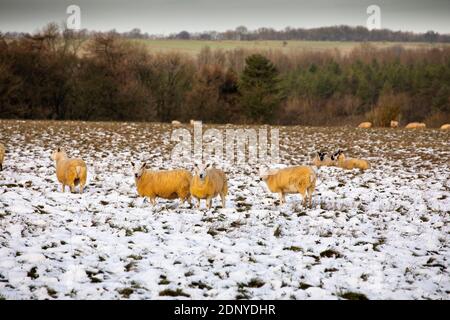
column 394, row 124
column 70, row 172
column 300, row 179
column 166, row 184
column 194, row 122
column 416, row 125
column 445, row 127
column 321, row 159
column 2, row 155
column 208, row 183
column 176, row 123
column 365, row 125
column 350, row 163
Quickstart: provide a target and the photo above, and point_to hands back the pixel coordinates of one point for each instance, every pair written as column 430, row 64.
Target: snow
column 383, row 233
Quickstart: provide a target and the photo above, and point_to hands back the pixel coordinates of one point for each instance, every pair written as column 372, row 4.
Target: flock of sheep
column 208, row 182
column 412, row 125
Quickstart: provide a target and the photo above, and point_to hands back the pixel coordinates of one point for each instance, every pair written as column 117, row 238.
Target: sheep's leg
column 209, row 202
column 81, row 188
column 72, row 188
column 282, row 199
column 222, row 196
column 198, row 203
column 310, row 193
column 63, row 188
column 1, row 167
column 152, row 200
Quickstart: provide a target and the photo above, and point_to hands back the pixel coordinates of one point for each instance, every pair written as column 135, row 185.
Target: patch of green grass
column 330, row 253
column 33, row 273
column 200, row 285
column 304, row 286
column 126, row 292
column 294, row 248
column 277, row 232
column 174, row 293
column 349, row 295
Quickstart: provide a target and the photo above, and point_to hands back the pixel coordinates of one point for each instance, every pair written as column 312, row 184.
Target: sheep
column 321, row 159
column 70, row 172
column 299, row 179
column 176, row 123
column 207, row 183
column 2, row 155
column 166, row 184
column 445, row 127
column 195, row 122
column 394, row 124
column 416, row 125
column 350, row 163
column 365, row 125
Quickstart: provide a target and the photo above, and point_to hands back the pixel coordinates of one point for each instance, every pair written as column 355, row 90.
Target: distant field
column 194, row 46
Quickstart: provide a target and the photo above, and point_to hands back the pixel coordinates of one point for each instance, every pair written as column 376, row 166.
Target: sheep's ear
column 144, row 165
column 58, row 150
column 208, row 165
column 132, row 163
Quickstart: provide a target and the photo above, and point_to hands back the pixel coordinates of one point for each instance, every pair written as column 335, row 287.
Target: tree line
column 331, row 33
column 63, row 75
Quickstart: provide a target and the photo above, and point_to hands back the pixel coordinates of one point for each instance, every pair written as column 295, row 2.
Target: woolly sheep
column 445, row 127
column 321, row 159
column 300, row 179
column 176, row 123
column 194, row 122
column 365, row 125
column 70, row 172
column 415, row 125
column 394, row 124
column 208, row 183
column 166, row 184
column 351, row 163
column 2, row 156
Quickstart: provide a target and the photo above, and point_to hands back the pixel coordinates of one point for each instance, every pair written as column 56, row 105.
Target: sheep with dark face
column 322, row 159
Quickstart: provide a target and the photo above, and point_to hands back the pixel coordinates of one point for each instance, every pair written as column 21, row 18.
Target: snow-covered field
column 382, row 234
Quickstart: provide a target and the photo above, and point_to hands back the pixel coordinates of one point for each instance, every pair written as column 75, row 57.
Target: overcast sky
column 168, row 16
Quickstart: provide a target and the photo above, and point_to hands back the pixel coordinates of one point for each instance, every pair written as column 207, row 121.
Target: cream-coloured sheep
column 351, row 163
column 321, row 159
column 208, row 183
column 365, row 125
column 70, row 172
column 445, row 127
column 176, row 123
column 416, row 125
column 195, row 122
column 2, row 155
column 300, row 179
column 394, row 124
column 166, row 184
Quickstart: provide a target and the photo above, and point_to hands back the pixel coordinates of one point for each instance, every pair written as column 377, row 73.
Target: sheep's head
column 201, row 170
column 336, row 155
column 321, row 155
column 265, row 172
column 138, row 170
column 58, row 154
